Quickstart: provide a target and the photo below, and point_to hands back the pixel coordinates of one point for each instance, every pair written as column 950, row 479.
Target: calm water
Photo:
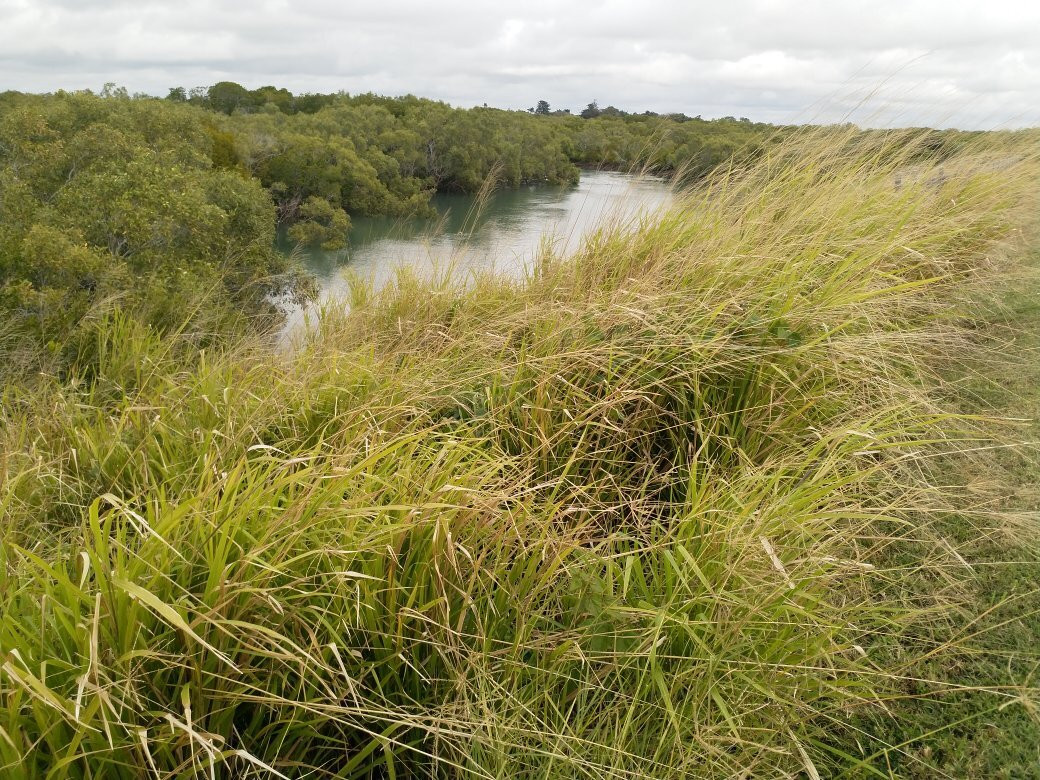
column 504, row 235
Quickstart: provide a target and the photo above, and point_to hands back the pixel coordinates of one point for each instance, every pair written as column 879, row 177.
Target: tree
column 226, row 96
column 127, row 210
column 177, row 95
column 591, row 111
column 281, row 98
column 542, row 108
column 110, row 90
column 321, row 223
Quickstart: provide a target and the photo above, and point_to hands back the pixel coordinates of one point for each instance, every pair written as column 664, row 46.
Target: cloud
column 918, row 61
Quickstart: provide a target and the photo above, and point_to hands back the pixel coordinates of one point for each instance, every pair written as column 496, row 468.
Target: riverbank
column 630, row 516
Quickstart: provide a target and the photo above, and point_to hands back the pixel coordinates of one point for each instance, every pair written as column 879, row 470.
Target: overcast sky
column 938, row 62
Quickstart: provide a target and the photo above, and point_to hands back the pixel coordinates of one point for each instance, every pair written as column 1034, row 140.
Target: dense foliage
column 104, row 199
column 457, row 149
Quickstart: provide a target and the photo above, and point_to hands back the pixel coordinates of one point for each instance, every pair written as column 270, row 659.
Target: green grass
column 972, row 708
column 630, row 517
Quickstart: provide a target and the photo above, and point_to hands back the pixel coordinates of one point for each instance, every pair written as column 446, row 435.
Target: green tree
column 227, row 96
column 321, row 224
column 119, row 201
column 591, row 111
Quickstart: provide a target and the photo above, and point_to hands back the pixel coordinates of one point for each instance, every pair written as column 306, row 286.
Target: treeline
column 368, row 154
column 610, row 137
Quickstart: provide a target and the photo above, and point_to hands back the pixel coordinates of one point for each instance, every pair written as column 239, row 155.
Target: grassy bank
column 628, row 518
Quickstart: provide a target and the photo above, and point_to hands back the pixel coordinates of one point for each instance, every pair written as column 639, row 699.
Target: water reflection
column 503, row 234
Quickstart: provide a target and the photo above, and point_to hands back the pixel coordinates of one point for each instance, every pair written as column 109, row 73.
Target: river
column 504, row 234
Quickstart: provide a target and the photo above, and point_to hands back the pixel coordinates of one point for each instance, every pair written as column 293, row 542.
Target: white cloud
column 954, row 62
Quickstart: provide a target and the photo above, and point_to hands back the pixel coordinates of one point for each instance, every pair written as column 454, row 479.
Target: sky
column 948, row 63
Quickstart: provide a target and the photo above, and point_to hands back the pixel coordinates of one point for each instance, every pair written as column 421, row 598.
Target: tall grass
column 621, row 519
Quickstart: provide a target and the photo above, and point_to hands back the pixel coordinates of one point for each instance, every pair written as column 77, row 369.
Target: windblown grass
column 626, row 518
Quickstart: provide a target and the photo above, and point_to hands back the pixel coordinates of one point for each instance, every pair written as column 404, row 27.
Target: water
column 505, row 235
